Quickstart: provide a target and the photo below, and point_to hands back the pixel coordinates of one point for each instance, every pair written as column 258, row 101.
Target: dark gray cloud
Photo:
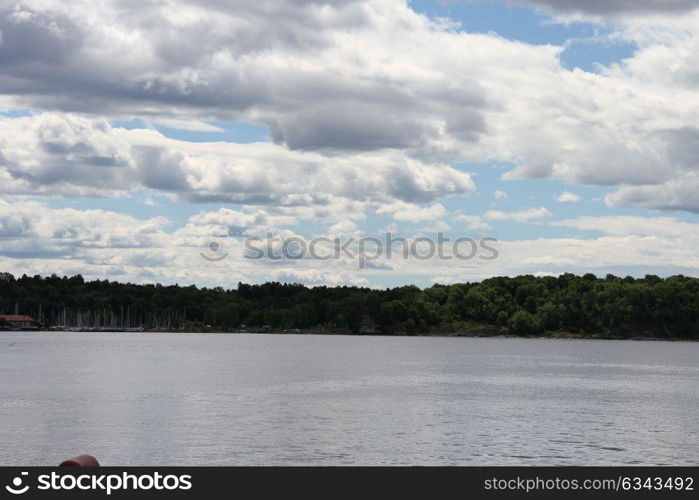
column 274, row 62
column 607, row 7
column 679, row 190
column 683, row 147
column 677, row 194
column 350, row 127
column 28, row 38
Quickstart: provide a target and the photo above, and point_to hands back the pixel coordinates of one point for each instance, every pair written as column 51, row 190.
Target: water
column 216, row 399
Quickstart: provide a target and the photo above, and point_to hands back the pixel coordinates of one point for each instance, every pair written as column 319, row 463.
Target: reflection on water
column 198, row 399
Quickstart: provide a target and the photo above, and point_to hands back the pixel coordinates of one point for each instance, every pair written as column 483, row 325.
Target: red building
column 19, row 321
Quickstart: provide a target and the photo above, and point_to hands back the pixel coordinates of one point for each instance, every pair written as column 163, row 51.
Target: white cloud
column 37, row 239
column 233, row 223
column 627, row 225
column 191, row 125
column 148, row 201
column 500, row 195
column 30, row 227
column 343, row 228
column 518, row 216
column 438, row 226
column 567, row 197
column 313, row 277
column 409, row 212
column 473, row 222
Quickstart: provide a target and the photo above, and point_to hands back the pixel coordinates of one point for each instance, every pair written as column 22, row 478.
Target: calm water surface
column 215, row 399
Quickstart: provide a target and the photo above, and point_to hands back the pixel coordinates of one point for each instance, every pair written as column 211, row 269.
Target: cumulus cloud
column 567, row 197
column 70, row 155
column 30, row 229
column 358, row 77
column 630, row 128
column 302, row 69
column 37, row 239
column 234, row 223
column 56, row 155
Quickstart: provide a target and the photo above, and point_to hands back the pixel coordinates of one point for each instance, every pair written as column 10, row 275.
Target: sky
column 147, row 141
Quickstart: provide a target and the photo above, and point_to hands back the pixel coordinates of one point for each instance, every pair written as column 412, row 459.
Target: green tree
column 524, row 323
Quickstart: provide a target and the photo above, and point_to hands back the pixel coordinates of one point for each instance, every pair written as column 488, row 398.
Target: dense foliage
column 525, row 305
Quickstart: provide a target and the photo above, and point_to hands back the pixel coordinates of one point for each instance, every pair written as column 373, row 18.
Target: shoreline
column 477, row 333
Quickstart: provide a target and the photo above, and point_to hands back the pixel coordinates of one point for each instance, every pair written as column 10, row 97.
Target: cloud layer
column 353, row 77
column 67, row 155
column 35, row 238
column 371, row 109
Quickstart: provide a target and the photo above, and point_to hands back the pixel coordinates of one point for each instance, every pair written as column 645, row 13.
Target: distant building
column 19, row 321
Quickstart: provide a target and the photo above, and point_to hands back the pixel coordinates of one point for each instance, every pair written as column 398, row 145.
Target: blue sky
column 550, row 129
column 587, row 45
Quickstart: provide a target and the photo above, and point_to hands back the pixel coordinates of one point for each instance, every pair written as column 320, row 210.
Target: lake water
column 217, row 399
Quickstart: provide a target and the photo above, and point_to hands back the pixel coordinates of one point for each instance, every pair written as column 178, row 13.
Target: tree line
column 524, row 305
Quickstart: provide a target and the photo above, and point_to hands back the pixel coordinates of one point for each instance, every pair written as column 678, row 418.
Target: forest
column 587, row 306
